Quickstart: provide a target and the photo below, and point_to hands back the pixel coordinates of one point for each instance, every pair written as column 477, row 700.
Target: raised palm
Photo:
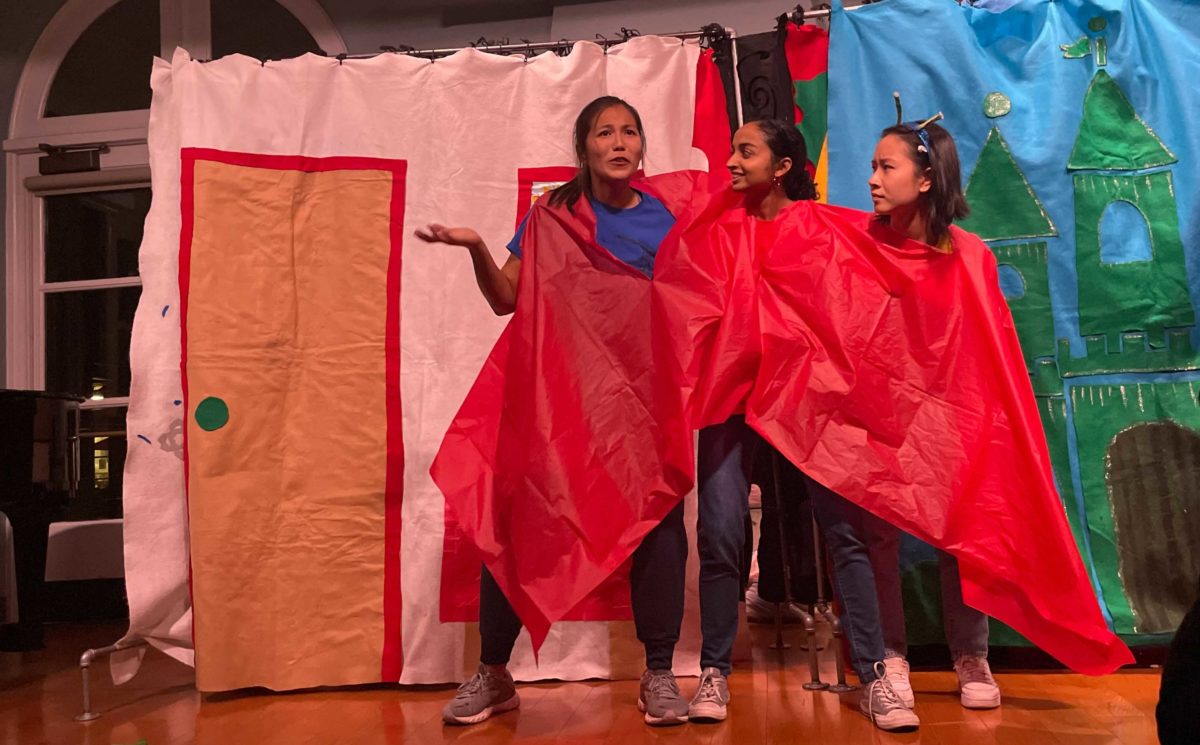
column 434, row 233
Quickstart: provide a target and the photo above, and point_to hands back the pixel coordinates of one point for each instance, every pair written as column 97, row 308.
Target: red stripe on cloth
column 527, row 177
column 187, row 216
column 393, row 649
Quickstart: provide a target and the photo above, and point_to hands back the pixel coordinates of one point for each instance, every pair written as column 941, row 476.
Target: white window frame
column 26, row 357
column 184, row 23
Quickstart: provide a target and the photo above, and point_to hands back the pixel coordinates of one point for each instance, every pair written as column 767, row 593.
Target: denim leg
column 499, row 625
column 657, row 580
column 966, row 628
column 853, row 578
column 723, row 463
column 883, row 540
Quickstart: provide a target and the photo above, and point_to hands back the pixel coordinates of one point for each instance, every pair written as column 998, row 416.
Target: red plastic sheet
column 461, row 558
column 563, row 455
column 884, row 369
column 891, row 373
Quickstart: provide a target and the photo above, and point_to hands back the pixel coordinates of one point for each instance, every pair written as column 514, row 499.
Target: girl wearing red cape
column 627, row 225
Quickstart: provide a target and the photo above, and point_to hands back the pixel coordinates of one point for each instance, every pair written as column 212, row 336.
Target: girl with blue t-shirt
column 609, row 142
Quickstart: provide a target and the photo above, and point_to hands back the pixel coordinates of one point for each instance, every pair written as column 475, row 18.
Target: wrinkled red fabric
column 891, row 373
column 887, row 371
column 558, row 463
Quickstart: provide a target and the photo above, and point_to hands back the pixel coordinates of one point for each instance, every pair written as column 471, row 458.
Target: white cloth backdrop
column 464, row 124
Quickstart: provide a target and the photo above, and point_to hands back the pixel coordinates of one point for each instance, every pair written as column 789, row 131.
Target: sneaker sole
column 898, row 724
column 979, row 702
column 669, row 720
column 499, row 708
column 707, row 713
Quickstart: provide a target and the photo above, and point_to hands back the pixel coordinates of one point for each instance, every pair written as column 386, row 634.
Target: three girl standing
column 767, row 165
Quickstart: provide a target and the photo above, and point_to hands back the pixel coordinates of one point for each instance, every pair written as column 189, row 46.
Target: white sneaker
column 883, row 707
column 977, row 688
column 897, row 675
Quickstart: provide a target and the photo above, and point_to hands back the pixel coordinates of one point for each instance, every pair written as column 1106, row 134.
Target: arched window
column 94, row 58
column 108, row 66
column 71, row 259
column 1012, row 284
column 1124, row 234
column 1152, row 470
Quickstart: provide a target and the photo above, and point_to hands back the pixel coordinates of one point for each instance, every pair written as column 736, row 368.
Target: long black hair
column 944, row 202
column 571, row 191
column 786, row 141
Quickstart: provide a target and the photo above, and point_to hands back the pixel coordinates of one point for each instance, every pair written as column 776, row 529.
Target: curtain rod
column 508, row 48
column 550, row 46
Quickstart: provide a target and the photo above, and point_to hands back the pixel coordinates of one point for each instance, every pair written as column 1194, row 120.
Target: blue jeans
column 844, row 525
column 966, row 628
column 726, row 452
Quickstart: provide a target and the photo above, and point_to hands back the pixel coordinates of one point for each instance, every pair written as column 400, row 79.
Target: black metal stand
column 821, row 608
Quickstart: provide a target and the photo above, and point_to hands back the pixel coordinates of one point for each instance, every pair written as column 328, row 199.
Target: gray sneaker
column 659, row 698
column 883, row 706
column 480, row 697
column 708, row 705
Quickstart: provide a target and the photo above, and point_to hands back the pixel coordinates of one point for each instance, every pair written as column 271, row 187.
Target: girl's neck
column 766, row 204
column 911, row 221
column 616, row 194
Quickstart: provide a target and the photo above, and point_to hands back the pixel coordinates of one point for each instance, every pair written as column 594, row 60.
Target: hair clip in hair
column 919, row 129
column 931, row 120
column 915, row 126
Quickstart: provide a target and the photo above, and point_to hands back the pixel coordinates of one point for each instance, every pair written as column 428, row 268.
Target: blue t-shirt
column 632, row 235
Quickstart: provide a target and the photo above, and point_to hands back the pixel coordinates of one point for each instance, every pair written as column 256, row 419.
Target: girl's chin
column 747, row 187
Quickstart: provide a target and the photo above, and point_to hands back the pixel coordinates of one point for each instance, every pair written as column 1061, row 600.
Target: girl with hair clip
column 630, row 223
column 863, row 353
column 770, row 211
column 916, row 189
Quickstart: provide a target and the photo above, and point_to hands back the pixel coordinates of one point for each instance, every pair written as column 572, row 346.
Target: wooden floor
column 40, row 693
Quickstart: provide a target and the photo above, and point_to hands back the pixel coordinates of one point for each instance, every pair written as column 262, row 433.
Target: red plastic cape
column 564, row 453
column 886, row 370
column 559, row 461
column 891, row 373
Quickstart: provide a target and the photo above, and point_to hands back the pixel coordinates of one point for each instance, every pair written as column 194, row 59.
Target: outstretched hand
column 434, row 233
